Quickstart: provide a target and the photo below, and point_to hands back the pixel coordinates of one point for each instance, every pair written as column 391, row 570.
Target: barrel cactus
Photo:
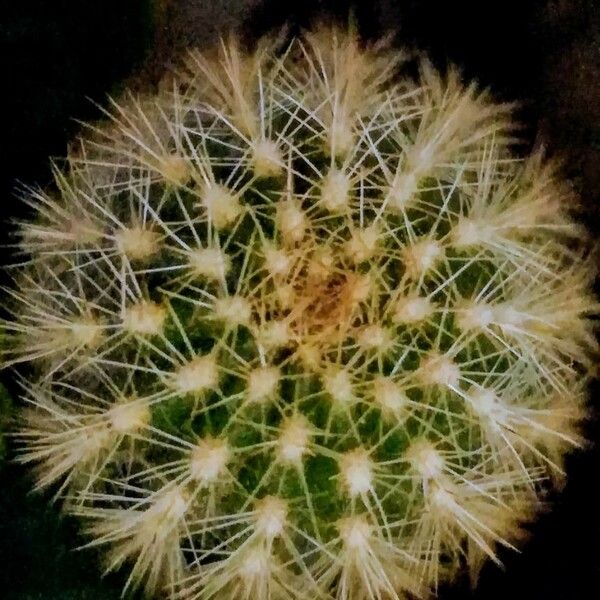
column 301, row 325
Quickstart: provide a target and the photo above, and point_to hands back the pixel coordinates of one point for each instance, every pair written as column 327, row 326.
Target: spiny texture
column 300, row 326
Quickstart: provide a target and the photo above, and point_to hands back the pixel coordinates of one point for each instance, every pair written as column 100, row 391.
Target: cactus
column 301, row 325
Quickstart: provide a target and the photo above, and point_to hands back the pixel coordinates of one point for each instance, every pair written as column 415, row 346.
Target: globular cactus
column 301, row 326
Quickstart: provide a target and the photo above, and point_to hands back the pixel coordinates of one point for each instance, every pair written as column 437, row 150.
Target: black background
column 56, row 54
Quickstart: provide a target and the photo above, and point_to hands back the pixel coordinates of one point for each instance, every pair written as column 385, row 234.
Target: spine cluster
column 301, row 326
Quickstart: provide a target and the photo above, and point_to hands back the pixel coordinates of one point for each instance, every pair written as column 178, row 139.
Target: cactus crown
column 300, row 326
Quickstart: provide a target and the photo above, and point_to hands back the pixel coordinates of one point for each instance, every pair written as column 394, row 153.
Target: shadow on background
column 55, row 54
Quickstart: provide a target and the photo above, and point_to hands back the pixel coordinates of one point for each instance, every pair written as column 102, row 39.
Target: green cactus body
column 300, row 327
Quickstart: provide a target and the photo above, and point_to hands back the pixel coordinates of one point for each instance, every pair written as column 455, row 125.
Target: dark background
column 57, row 54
